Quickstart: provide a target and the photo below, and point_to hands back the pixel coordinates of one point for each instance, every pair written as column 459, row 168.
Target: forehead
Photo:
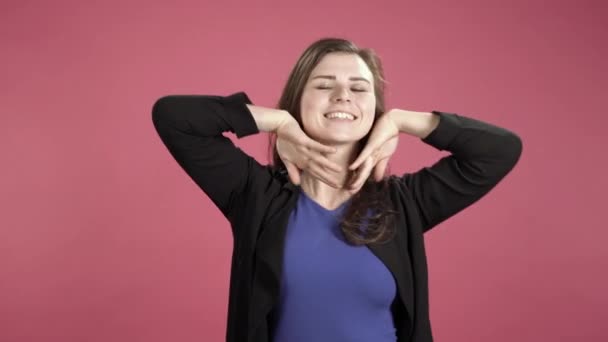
column 342, row 65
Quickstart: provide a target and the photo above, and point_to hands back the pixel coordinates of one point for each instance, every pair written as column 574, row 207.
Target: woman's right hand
column 299, row 152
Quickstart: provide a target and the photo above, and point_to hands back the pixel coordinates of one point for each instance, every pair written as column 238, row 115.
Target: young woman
column 326, row 246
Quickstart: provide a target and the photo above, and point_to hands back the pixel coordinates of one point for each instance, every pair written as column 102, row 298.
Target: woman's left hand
column 381, row 145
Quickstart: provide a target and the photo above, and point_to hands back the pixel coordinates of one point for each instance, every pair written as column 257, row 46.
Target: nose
column 341, row 95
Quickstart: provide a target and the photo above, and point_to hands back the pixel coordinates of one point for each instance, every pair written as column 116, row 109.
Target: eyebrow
column 330, row 77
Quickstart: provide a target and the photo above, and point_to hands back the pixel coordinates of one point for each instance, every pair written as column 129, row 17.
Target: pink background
column 104, row 238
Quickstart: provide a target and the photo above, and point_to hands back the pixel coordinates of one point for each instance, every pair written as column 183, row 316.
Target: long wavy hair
column 369, row 216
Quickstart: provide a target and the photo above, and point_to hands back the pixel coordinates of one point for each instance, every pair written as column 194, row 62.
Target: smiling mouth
column 340, row 116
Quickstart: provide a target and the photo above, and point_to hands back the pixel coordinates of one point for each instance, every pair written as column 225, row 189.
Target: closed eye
column 353, row 89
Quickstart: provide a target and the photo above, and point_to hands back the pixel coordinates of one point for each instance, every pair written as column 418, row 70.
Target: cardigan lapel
column 397, row 260
column 269, row 259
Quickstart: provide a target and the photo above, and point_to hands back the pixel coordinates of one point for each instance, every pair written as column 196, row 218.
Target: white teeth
column 340, row 115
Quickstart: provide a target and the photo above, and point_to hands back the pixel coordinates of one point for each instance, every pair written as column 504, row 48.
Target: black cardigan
column 257, row 201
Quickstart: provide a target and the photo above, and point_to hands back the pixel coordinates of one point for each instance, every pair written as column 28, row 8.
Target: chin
column 339, row 141
column 337, row 137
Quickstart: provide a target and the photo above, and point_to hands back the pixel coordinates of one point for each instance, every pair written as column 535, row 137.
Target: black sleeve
column 481, row 154
column 192, row 126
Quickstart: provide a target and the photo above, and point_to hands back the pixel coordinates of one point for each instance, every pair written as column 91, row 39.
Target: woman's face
column 338, row 102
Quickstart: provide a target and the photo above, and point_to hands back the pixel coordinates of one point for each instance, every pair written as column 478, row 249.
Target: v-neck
column 322, row 208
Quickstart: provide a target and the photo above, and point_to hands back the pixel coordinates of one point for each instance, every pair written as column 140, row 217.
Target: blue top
column 330, row 290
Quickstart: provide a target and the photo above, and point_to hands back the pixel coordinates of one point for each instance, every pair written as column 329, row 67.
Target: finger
column 326, row 163
column 319, row 172
column 366, row 152
column 363, row 174
column 356, row 184
column 317, row 146
column 293, row 172
column 325, row 179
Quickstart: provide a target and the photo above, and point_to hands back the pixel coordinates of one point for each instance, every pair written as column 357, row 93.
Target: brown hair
column 373, row 195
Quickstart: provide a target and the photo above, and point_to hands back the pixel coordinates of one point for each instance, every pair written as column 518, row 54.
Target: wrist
column 418, row 124
column 269, row 119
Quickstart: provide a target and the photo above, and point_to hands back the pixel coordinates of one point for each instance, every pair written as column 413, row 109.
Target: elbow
column 513, row 148
column 166, row 114
column 159, row 109
column 508, row 154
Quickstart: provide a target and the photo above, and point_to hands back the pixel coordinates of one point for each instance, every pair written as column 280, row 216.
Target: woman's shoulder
column 274, row 181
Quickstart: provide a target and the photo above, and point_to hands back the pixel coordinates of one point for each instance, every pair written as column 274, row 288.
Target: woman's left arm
column 481, row 154
column 418, row 124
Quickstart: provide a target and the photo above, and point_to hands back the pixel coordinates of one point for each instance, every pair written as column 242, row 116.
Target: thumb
column 367, row 150
column 294, row 173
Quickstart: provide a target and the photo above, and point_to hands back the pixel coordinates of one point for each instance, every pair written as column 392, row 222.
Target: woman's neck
column 325, row 195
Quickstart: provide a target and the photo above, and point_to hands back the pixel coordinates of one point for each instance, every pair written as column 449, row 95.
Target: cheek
column 307, row 110
column 369, row 123
column 309, row 102
column 305, row 103
column 369, row 108
column 310, row 107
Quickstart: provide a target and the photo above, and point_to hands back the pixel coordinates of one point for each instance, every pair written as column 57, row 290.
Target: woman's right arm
column 192, row 127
